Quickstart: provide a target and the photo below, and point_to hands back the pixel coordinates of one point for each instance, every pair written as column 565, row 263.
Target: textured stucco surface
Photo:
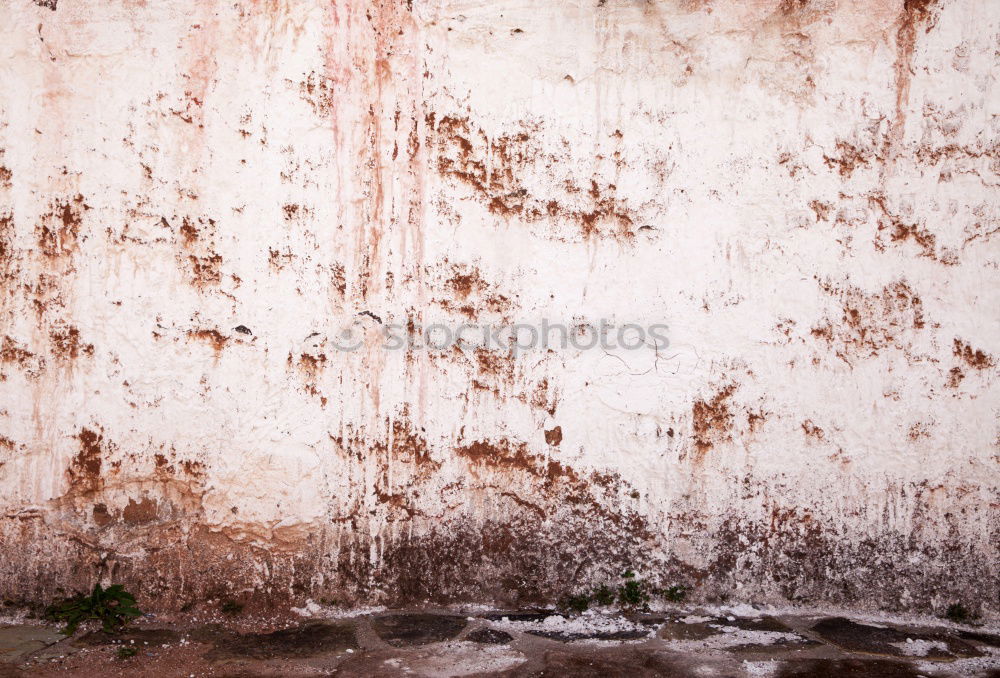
column 805, row 191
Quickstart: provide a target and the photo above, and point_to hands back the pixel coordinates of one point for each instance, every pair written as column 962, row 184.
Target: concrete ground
column 682, row 642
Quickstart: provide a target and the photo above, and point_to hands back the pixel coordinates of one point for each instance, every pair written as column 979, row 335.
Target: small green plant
column 231, row 607
column 576, row 603
column 113, row 607
column 675, row 593
column 127, row 651
column 632, row 593
column 603, row 595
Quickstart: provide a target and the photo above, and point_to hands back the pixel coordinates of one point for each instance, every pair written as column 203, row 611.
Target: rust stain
column 849, row 158
column 899, row 231
column 60, row 227
column 821, row 209
column 85, row 468
column 320, row 93
column 812, row 430
column 67, row 345
column 870, row 323
column 955, row 377
column 507, row 456
column 214, row 338
column 494, row 167
column 712, row 421
column 101, row 516
column 974, row 358
column 12, row 352
column 137, row 513
column 470, row 295
column 554, row 436
column 206, row 270
column 915, row 14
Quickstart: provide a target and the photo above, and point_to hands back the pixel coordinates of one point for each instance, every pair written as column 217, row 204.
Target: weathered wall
column 805, row 191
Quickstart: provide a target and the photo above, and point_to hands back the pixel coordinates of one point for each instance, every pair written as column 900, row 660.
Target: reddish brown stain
column 848, row 158
column 933, row 155
column 899, row 231
column 464, row 284
column 189, row 233
column 340, row 279
column 712, row 421
column 544, row 398
column 85, row 468
column 206, row 270
column 214, row 338
column 320, row 93
column 67, row 345
column 822, row 209
column 812, row 430
column 974, row 358
column 495, row 363
column 955, row 377
column 5, row 177
column 870, row 323
column 788, row 7
column 6, row 244
column 469, row 294
column 137, row 513
column 494, row 167
column 918, row 431
column 60, row 227
column 915, row 13
column 506, row 456
column 102, row 517
column 554, row 436
column 12, row 352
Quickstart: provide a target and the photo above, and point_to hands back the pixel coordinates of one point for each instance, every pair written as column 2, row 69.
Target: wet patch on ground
column 567, row 637
column 128, row 637
column 490, row 637
column 847, row 668
column 304, row 641
column 18, row 641
column 521, row 616
column 405, row 630
column 685, row 642
column 891, row 642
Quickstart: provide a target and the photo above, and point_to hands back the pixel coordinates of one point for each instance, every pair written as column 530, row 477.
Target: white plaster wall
column 805, row 191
